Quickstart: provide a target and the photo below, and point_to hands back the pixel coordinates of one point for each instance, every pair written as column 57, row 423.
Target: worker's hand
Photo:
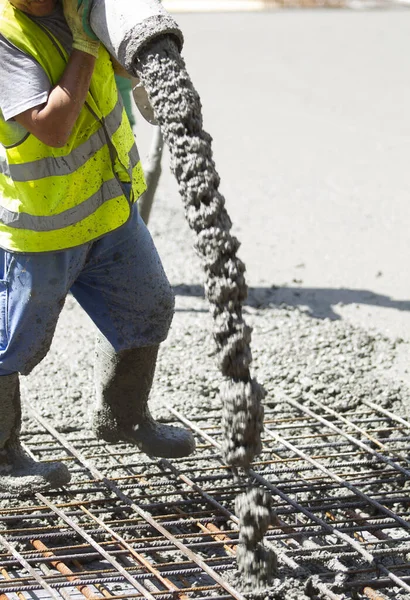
column 76, row 13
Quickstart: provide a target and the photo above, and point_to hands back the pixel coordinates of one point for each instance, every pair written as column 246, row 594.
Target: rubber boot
column 19, row 473
column 123, row 383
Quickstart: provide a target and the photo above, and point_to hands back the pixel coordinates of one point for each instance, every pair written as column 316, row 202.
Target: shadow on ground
column 319, row 302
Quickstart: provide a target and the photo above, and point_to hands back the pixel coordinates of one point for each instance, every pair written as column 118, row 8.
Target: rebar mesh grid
column 131, row 527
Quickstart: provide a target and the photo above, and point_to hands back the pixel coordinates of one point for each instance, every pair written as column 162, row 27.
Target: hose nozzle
column 125, row 27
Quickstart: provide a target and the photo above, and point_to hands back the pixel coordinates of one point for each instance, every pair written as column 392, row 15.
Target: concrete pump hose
column 177, row 109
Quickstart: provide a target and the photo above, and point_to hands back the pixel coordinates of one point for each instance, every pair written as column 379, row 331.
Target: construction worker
column 70, row 176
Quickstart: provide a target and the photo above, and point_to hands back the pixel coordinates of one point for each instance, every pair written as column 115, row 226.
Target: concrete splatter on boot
column 19, row 473
column 123, row 383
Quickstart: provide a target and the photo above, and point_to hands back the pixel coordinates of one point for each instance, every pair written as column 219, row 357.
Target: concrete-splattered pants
column 118, row 280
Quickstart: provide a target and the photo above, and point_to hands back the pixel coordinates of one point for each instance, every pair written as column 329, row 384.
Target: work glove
column 77, row 14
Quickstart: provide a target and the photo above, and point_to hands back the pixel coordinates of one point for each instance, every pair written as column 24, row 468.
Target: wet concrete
column 257, row 564
column 274, row 173
column 311, row 133
column 177, row 108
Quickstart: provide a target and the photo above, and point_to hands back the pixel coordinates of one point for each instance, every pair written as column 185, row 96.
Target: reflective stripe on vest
column 108, row 191
column 65, row 165
column 57, row 198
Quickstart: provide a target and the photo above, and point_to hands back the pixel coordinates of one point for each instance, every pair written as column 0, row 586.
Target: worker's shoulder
column 7, row 47
column 18, row 71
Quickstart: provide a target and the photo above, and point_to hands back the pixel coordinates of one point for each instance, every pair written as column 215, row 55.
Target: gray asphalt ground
column 309, row 114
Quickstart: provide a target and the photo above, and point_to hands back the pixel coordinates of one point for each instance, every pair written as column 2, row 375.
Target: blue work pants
column 118, row 280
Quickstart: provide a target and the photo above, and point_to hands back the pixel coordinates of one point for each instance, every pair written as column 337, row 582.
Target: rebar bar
column 328, row 519
column 326, row 526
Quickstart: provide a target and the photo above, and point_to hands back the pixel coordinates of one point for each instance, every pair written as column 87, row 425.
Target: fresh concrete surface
column 309, row 114
column 311, row 127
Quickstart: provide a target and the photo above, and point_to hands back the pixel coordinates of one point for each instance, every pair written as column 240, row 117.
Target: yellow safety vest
column 57, row 198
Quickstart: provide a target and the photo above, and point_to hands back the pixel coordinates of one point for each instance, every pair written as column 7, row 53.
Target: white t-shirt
column 23, row 82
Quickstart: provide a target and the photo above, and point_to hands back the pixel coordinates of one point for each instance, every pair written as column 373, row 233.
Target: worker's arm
column 53, row 121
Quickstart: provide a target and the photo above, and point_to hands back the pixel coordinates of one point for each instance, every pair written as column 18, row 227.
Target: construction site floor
column 309, row 115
